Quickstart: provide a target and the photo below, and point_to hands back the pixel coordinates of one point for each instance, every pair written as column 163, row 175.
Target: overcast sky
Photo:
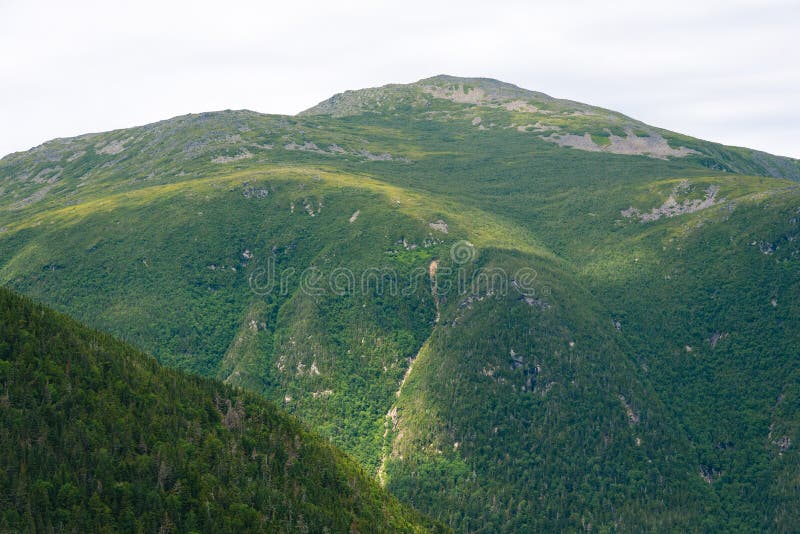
column 728, row 71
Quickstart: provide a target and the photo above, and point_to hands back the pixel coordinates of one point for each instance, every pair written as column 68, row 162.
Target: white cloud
column 720, row 70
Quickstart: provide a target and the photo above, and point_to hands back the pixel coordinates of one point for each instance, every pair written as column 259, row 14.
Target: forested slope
column 97, row 437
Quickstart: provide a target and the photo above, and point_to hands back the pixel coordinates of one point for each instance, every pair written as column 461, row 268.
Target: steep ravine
column 391, row 415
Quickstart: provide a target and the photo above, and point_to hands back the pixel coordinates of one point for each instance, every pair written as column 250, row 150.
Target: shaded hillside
column 98, row 437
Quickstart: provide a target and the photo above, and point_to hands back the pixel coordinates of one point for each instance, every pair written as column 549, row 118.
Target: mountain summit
column 479, row 91
column 564, row 122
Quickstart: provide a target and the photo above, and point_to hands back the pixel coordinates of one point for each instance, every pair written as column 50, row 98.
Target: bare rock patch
column 112, row 148
column 458, row 93
column 633, row 417
column 520, row 105
column 75, row 156
column 439, row 226
column 32, row 199
column 654, row 145
column 672, row 207
column 244, row 154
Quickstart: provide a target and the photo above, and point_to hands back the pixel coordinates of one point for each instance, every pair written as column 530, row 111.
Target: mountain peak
column 462, row 90
column 494, row 89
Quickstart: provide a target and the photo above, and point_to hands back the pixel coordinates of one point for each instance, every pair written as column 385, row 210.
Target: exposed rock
column 307, row 146
column 309, row 207
column 716, row 337
column 672, row 208
column 32, row 199
column 467, row 302
column 114, row 147
column 766, row 248
column 520, row 105
column 459, row 93
column 50, row 175
column 653, row 146
column 255, row 192
column 633, row 417
column 336, row 150
column 439, row 226
column 385, row 156
column 709, row 474
column 538, row 127
column 783, row 443
column 407, row 245
column 244, row 154
column 75, row 156
column 535, row 303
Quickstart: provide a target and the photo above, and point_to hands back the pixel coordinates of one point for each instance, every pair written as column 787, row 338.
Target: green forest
column 98, row 437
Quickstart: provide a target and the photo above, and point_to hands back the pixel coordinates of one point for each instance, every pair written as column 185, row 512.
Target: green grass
column 602, row 140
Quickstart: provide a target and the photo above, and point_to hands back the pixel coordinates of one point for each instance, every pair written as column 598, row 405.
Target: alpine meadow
column 454, row 304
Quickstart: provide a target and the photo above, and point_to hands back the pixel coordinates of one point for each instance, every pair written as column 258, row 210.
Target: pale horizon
column 720, row 71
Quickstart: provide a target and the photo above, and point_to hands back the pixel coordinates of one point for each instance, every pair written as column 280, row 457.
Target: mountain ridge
column 602, row 129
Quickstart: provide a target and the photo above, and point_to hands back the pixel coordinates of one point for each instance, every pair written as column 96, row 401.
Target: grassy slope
column 98, row 437
column 168, row 284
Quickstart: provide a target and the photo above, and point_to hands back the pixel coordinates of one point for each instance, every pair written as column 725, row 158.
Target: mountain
column 98, row 437
column 517, row 312
column 564, row 122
